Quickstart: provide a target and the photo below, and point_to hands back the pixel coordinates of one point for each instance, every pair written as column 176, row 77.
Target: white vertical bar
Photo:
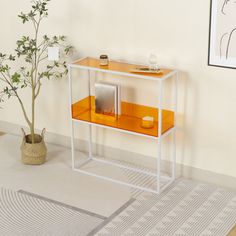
column 89, row 82
column 90, row 142
column 71, row 118
column 175, row 118
column 173, row 174
column 159, row 136
column 90, row 126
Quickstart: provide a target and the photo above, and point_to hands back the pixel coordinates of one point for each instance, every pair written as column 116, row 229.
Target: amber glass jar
column 104, row 61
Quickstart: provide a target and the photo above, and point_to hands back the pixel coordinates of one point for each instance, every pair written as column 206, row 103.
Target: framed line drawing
column 222, row 34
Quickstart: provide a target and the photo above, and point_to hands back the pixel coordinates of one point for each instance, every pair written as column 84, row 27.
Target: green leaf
column 16, row 78
column 23, row 17
column 62, row 38
column 68, row 49
column 5, row 90
column 3, row 56
column 4, row 68
column 12, row 58
column 46, row 38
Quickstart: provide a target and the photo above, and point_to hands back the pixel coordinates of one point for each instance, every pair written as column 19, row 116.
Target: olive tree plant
column 32, row 52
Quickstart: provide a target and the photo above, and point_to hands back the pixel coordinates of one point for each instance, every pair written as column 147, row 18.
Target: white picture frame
column 222, row 34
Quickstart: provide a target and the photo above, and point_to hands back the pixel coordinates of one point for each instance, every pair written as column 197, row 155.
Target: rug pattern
column 186, row 208
column 25, row 215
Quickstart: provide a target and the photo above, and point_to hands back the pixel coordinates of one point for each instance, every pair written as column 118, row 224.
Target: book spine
column 118, row 100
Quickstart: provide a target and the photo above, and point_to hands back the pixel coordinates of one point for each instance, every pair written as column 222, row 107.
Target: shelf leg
column 90, row 126
column 175, row 119
column 90, row 143
column 71, row 122
column 159, row 145
column 173, row 174
column 158, row 165
column 72, row 145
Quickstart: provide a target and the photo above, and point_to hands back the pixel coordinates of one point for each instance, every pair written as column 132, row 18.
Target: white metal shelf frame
column 172, row 75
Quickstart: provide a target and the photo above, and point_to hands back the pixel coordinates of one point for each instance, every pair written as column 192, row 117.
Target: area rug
column 23, row 214
column 185, row 208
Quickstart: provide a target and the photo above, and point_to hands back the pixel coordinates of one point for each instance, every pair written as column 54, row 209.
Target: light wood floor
column 73, row 178
column 233, row 232
column 55, row 180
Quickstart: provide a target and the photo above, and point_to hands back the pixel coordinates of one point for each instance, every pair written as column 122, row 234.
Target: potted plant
column 33, row 53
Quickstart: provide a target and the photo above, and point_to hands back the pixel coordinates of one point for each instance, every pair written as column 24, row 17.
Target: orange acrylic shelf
column 130, row 119
column 121, row 68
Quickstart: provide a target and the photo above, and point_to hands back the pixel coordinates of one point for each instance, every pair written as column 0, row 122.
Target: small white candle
column 147, row 121
column 148, row 118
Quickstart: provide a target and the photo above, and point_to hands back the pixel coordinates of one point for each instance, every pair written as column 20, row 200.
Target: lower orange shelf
column 129, row 120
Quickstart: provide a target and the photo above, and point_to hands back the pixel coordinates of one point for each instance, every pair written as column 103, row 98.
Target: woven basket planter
column 33, row 154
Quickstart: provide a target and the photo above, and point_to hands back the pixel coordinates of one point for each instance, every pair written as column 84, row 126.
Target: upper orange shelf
column 119, row 68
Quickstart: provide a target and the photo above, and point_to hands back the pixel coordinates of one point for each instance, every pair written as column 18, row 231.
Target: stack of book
column 107, row 99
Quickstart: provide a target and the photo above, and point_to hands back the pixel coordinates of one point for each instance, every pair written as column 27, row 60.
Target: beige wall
column 177, row 31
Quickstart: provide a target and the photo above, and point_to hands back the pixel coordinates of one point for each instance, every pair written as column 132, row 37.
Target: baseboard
column 181, row 170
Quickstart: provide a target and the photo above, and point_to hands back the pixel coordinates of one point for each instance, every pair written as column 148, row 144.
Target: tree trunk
column 33, row 116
